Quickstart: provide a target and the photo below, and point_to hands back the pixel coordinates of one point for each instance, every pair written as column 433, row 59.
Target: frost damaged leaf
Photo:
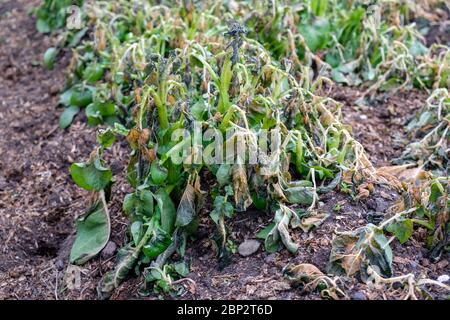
column 301, row 274
column 186, row 208
column 93, row 232
column 110, row 281
column 280, row 232
column 353, row 251
column 242, row 195
column 300, row 195
column 312, row 221
column 342, row 255
column 49, row 58
column 127, row 258
column 223, row 174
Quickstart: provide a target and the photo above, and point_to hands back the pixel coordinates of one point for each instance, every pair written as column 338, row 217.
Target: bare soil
column 39, row 203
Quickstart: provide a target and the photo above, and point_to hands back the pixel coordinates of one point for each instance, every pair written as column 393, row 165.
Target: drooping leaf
column 186, row 209
column 93, row 232
column 311, row 221
column 67, row 116
column 49, row 58
column 167, row 211
column 265, row 232
column 136, row 231
column 300, row 195
column 93, row 73
column 242, row 195
column 353, row 251
column 127, row 258
column 280, row 232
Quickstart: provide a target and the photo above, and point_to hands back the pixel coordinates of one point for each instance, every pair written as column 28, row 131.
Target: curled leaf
column 242, row 195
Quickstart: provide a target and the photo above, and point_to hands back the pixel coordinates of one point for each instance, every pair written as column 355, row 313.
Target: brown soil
column 39, row 202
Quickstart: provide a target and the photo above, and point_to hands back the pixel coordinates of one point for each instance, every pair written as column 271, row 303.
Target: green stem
column 225, row 81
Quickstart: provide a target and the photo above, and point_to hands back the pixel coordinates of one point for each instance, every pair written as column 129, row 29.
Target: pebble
column 59, row 264
column 270, row 258
column 363, row 117
column 248, row 247
column 443, row 278
column 358, row 295
column 109, row 250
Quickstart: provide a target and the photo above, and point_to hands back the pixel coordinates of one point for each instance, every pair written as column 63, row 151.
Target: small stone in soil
column 358, row 295
column 443, row 278
column 109, row 250
column 248, row 247
column 270, row 258
column 59, row 264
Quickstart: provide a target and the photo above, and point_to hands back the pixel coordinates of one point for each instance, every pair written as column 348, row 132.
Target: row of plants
column 148, row 71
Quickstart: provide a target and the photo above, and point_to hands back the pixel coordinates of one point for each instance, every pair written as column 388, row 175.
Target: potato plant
column 161, row 76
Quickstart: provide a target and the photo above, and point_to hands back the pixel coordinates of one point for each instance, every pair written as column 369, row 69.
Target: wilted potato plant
column 225, row 102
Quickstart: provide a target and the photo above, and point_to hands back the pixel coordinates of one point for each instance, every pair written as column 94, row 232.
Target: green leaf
column 138, row 204
column 198, row 110
column 65, row 97
column 92, row 176
column 390, row 84
column 93, row 73
column 339, row 77
column 121, row 129
column 316, row 35
column 106, row 138
column 181, row 268
column 81, row 98
column 300, row 195
column 158, row 173
column 93, row 232
column 319, row 7
column 272, row 241
column 223, row 174
column 401, row 229
column 137, row 231
column 42, row 26
column 49, row 58
column 265, row 232
column 167, row 210
column 67, row 116
column 76, row 38
column 158, row 243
